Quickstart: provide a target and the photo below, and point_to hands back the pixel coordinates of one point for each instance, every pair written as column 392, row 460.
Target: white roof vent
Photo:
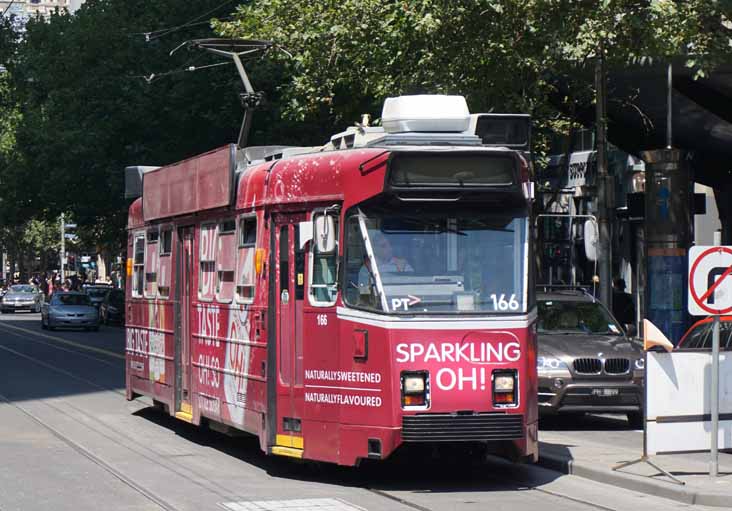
column 425, row 113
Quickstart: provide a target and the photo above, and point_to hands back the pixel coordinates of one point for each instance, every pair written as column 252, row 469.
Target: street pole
column 714, row 462
column 63, row 246
column 603, row 183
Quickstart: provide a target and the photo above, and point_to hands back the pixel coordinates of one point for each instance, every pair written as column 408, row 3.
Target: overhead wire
column 155, row 76
column 153, row 33
column 195, row 21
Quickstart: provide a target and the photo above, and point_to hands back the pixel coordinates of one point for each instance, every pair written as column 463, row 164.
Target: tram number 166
column 321, row 319
column 501, row 304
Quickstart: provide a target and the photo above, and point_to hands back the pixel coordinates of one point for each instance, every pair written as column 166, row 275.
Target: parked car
column 699, row 336
column 69, row 310
column 97, row 293
column 112, row 309
column 21, row 297
column 586, row 363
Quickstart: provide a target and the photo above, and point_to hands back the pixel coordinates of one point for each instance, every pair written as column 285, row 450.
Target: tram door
column 184, row 288
column 289, row 297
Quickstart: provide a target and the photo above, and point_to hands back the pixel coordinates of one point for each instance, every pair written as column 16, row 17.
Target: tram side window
column 245, row 259
column 225, row 261
column 207, row 275
column 151, row 265
column 165, row 265
column 323, row 275
column 138, row 268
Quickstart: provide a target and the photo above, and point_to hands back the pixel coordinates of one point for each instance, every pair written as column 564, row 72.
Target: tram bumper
column 506, row 433
column 502, row 434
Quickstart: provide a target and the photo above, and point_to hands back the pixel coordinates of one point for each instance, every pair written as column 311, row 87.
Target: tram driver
column 386, row 261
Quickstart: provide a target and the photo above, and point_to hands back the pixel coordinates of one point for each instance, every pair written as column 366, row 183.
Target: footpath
column 592, row 456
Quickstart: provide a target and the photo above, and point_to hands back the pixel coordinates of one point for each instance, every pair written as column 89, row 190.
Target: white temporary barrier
column 679, row 402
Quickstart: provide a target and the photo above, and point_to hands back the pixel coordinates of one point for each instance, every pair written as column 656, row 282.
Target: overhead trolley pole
column 237, row 50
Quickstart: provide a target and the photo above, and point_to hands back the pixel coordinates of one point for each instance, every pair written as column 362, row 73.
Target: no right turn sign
column 710, row 280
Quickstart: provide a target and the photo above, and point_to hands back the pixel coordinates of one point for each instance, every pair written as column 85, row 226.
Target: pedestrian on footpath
column 623, row 307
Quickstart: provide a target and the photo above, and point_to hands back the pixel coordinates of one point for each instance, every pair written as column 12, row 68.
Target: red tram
column 339, row 301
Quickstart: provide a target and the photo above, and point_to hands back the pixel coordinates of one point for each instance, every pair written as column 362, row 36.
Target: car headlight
column 549, row 365
column 640, row 364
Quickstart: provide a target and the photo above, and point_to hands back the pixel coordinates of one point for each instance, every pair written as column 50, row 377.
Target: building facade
column 29, row 8
column 567, row 200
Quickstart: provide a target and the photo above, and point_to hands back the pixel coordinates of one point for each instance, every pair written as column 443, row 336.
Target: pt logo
column 404, row 303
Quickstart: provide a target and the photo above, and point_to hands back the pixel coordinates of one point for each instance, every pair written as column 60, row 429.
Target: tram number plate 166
column 605, row 392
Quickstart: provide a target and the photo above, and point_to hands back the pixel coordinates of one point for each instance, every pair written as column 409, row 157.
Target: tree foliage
column 88, row 106
column 503, row 55
column 87, row 94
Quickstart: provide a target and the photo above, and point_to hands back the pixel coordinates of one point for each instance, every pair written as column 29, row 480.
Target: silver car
column 69, row 310
column 21, row 297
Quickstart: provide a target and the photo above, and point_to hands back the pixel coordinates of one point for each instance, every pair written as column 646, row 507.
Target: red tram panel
column 339, row 302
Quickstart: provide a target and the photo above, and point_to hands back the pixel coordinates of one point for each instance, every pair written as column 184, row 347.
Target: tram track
column 559, row 495
column 149, row 495
column 194, row 478
column 120, row 438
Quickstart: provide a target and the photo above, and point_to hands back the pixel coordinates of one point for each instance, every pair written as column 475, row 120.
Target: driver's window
column 323, row 276
column 360, row 284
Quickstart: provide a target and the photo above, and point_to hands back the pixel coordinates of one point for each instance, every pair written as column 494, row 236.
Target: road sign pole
column 714, row 462
column 63, row 247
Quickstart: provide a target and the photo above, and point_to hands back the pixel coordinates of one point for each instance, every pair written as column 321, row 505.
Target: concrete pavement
column 590, row 447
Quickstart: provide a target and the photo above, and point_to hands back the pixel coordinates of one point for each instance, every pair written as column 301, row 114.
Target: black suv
column 585, row 361
column 112, row 308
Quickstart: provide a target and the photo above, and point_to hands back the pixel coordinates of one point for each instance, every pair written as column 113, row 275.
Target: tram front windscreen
column 461, row 261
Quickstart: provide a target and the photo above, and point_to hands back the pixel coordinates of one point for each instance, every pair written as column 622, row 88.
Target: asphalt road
column 70, row 440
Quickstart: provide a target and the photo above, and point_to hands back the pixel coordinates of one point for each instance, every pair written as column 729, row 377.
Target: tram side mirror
column 324, row 234
column 591, row 238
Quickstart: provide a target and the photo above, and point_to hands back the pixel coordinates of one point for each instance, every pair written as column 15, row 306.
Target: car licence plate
column 605, row 392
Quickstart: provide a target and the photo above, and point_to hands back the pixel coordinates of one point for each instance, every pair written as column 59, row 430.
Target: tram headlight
column 415, row 389
column 504, row 388
column 413, row 385
column 504, row 383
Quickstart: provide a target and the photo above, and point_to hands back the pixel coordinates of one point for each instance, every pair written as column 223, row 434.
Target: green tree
column 509, row 55
column 94, row 97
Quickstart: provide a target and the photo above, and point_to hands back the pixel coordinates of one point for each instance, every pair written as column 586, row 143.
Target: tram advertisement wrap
column 460, row 367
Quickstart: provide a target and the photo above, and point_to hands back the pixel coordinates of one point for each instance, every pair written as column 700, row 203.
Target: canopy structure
column 701, row 120
column 702, row 116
